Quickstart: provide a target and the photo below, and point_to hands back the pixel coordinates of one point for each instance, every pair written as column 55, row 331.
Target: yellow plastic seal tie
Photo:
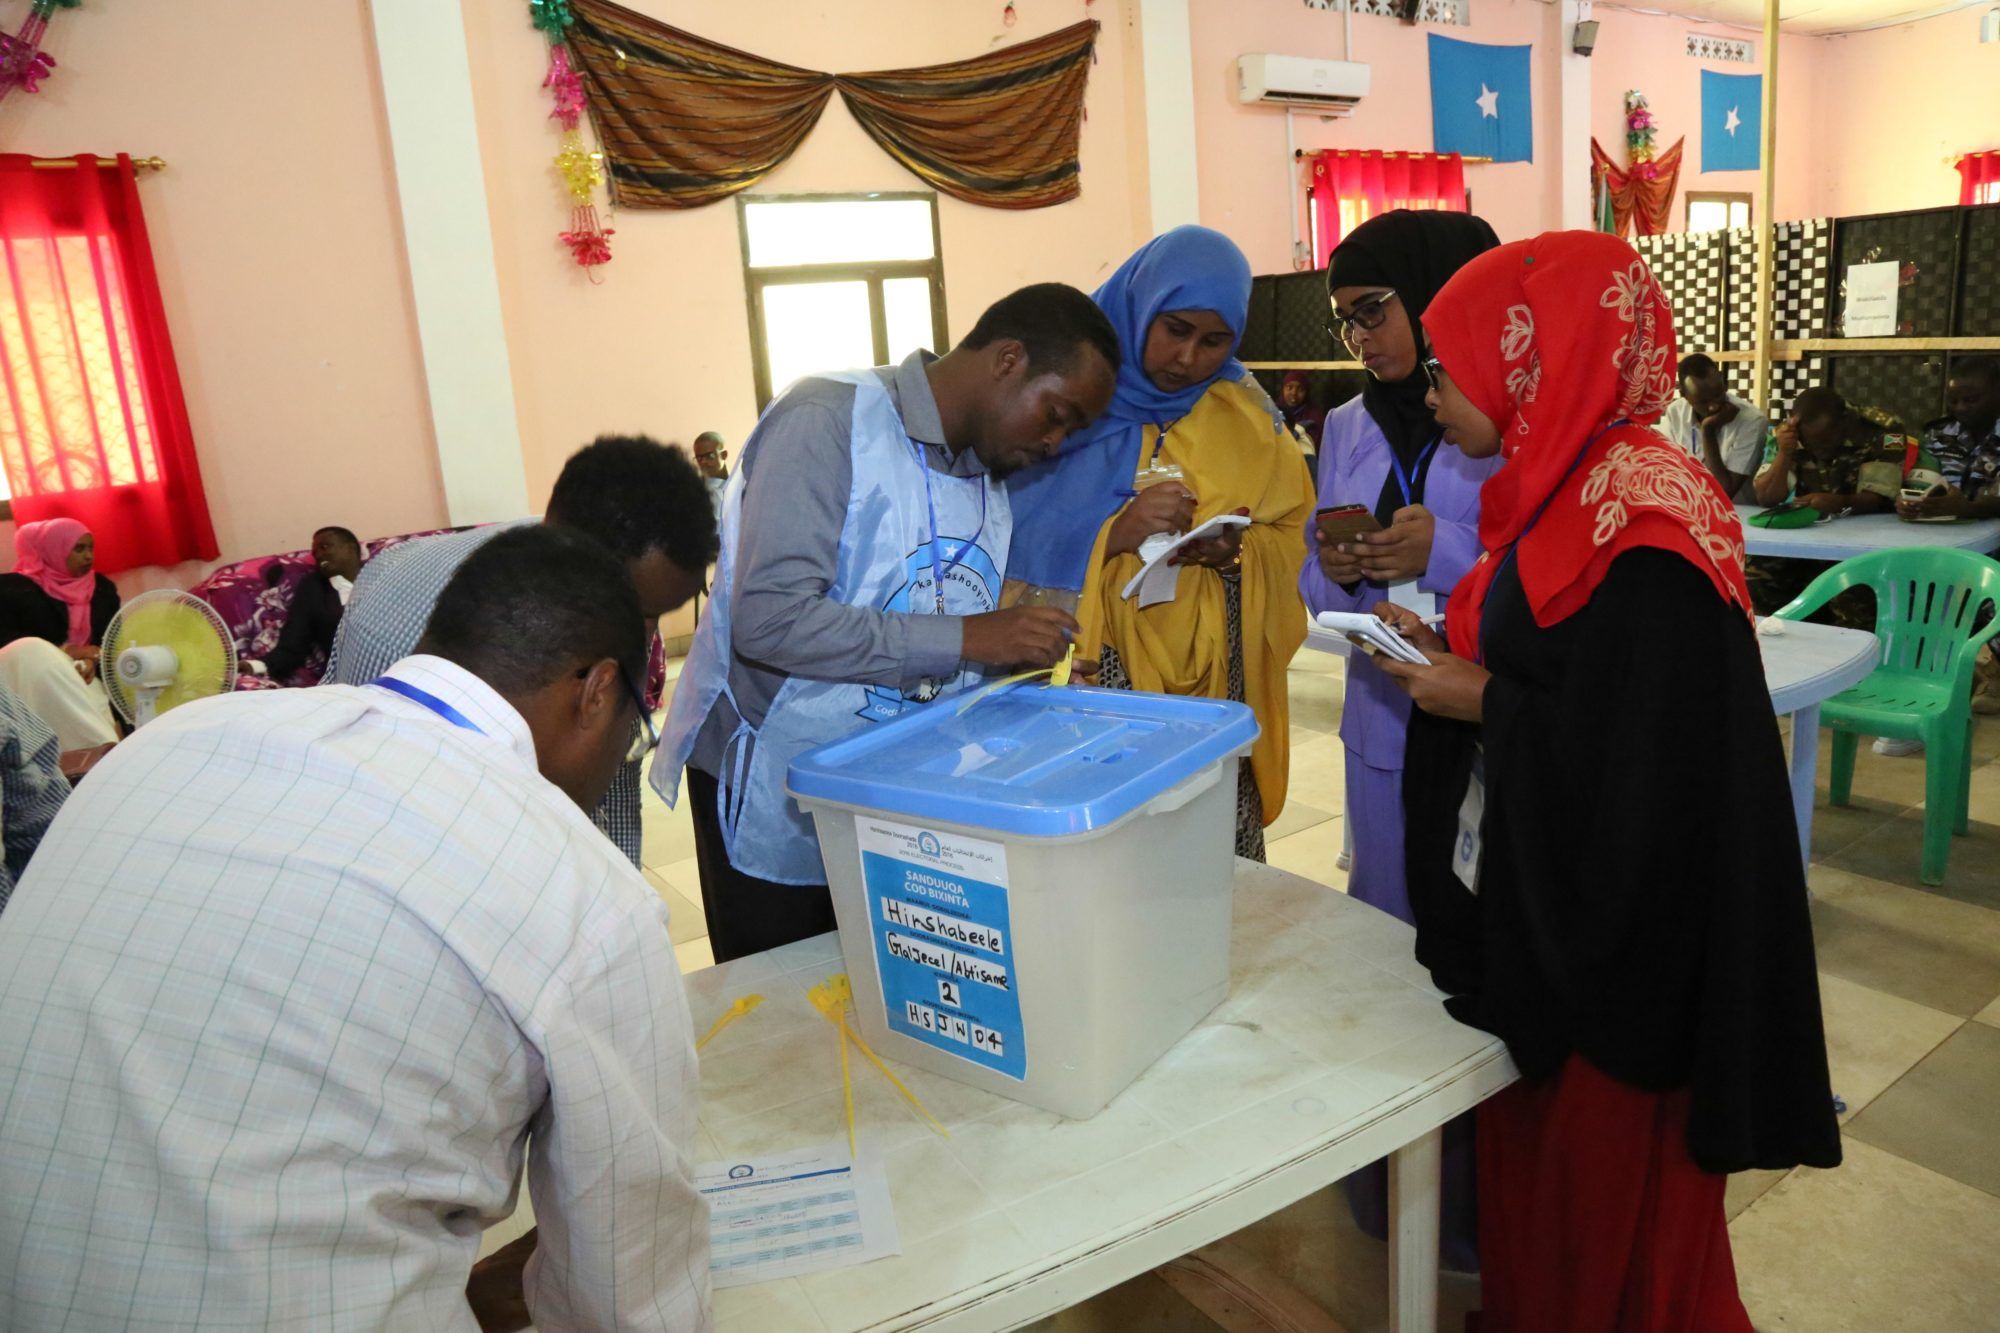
column 1059, row 676
column 735, row 1011
column 984, row 692
column 831, row 997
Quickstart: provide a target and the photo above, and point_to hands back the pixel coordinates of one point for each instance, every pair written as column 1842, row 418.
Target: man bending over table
column 298, row 979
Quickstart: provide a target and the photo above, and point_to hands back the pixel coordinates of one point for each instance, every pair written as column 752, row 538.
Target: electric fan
column 161, row 650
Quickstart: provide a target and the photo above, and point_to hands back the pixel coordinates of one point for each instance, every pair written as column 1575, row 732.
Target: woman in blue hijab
column 1188, row 436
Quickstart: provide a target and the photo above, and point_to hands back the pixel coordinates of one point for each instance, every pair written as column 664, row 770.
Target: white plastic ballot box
column 1033, row 892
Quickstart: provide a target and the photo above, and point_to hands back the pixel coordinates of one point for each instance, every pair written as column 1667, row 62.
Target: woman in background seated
column 1630, row 914
column 54, row 609
column 1194, row 436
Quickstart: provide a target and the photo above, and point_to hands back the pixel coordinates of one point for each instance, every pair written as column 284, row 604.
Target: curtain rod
column 138, row 163
column 1346, row 152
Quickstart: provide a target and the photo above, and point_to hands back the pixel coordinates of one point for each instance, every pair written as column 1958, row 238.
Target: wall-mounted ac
column 1331, row 87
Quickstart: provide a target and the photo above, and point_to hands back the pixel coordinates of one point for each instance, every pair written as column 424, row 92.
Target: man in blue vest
column 863, row 538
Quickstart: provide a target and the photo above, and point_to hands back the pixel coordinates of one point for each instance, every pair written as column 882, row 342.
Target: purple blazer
column 1353, row 467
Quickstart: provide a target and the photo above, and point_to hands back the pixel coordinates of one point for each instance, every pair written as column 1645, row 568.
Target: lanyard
column 1414, row 478
column 930, row 505
column 428, row 700
column 1160, row 442
column 1543, row 508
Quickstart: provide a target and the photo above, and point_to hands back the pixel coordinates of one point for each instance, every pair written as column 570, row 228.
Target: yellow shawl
column 1233, row 456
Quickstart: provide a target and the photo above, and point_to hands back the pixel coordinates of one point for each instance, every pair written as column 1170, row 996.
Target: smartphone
column 1343, row 523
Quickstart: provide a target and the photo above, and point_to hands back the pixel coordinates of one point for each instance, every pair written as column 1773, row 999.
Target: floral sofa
column 253, row 596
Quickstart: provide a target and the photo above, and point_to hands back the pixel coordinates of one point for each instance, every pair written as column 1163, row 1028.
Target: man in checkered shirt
column 643, row 501
column 298, row 980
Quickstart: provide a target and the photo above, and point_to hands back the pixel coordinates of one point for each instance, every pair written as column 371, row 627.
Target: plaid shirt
column 32, row 787
column 295, row 985
column 386, row 615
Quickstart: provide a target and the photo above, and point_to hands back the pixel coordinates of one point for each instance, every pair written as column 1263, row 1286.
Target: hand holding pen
column 1165, row 507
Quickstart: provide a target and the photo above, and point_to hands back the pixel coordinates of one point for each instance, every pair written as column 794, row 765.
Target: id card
column 1471, row 813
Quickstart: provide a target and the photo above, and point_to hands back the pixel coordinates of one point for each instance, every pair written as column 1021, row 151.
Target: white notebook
column 1362, row 629
column 1157, row 581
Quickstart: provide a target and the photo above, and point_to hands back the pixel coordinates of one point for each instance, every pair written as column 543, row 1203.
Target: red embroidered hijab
column 1556, row 339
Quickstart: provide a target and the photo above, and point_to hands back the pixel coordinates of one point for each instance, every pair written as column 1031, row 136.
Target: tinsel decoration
column 589, row 241
column 553, row 17
column 565, row 87
column 1638, row 128
column 23, row 63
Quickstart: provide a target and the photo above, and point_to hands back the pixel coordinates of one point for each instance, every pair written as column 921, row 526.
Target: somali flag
column 1480, row 100
column 1732, row 121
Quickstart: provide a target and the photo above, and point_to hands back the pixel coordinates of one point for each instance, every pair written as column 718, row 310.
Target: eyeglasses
column 1432, row 370
column 645, row 739
column 1367, row 314
column 717, row 454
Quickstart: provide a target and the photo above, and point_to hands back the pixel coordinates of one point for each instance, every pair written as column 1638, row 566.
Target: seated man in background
column 32, row 787
column 1724, row 433
column 299, row 979
column 711, row 455
column 317, row 603
column 1839, row 462
column 1966, row 446
column 638, row 498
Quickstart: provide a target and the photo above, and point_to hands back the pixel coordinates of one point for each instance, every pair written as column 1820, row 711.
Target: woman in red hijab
column 1628, row 911
column 54, row 609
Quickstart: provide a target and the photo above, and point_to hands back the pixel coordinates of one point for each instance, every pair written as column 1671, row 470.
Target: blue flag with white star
column 1732, row 121
column 1480, row 103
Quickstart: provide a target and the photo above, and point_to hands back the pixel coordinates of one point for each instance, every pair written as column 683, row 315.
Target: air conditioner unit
column 1330, row 86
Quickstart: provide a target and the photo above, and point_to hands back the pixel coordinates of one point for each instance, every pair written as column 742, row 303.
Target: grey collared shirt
column 798, row 466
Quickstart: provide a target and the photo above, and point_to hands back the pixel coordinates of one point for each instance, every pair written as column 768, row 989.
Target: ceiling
column 1805, row 16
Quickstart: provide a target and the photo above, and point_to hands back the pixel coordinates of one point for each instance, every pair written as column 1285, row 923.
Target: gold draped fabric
column 1232, row 457
column 684, row 121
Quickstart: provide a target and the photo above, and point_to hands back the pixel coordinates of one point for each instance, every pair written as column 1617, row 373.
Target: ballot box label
column 944, row 946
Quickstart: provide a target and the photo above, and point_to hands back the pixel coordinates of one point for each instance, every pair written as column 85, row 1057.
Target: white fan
column 161, row 650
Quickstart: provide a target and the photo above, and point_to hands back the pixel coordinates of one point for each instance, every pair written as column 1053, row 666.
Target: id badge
column 1465, row 852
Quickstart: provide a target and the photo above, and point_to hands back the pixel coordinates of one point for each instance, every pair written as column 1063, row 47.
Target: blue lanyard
column 428, row 700
column 1543, row 508
column 1404, row 480
column 930, row 504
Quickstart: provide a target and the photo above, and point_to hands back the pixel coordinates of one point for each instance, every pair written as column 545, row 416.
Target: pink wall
column 663, row 344
column 1242, row 148
column 279, row 246
column 1890, row 106
column 1648, row 52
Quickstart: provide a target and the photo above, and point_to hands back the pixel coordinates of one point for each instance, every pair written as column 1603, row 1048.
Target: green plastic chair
column 1926, row 601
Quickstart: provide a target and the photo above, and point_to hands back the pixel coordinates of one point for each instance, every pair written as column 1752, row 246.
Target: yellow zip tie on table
column 831, row 997
column 735, row 1011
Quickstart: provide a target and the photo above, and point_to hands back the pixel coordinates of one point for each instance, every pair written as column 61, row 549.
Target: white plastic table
column 1331, row 1051
column 1862, row 534
column 1804, row 666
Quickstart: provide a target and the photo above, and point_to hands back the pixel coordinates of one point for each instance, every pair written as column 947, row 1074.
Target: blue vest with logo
column 889, row 559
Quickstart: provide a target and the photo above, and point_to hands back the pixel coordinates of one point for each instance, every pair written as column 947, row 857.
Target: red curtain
column 1979, row 178
column 92, row 422
column 1348, row 187
column 1642, row 194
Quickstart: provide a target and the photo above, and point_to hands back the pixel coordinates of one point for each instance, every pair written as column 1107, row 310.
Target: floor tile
column 1746, row 1187
column 684, row 919
column 1314, row 853
column 695, row 955
column 684, row 877
column 1912, row 944
column 1878, row 1244
column 1893, row 852
column 1315, row 701
column 1888, row 780
column 1942, row 1113
column 1297, row 818
column 1145, row 1302
column 1838, row 827
column 1873, row 1038
column 1990, row 1014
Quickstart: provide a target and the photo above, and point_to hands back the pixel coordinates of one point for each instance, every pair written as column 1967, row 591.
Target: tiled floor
column 1905, row 1235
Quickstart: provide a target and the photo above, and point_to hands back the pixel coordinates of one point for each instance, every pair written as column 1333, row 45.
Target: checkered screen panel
column 1908, row 388
column 1301, row 315
column 1801, row 260
column 1692, row 269
column 1789, row 379
column 1260, row 327
column 1926, row 245
column 1979, row 275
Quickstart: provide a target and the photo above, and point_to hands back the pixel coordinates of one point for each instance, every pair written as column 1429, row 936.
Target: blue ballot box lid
column 1027, row 760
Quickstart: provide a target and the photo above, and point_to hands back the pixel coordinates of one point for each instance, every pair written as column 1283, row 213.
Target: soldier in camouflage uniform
column 1838, row 462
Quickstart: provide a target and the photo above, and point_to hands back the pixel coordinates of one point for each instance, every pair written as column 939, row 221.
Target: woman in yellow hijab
column 1188, row 436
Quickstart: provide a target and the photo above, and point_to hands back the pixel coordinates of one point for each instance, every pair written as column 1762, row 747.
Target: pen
column 1126, row 494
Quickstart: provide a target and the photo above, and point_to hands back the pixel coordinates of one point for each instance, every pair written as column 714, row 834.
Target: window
column 1717, row 212
column 839, row 281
